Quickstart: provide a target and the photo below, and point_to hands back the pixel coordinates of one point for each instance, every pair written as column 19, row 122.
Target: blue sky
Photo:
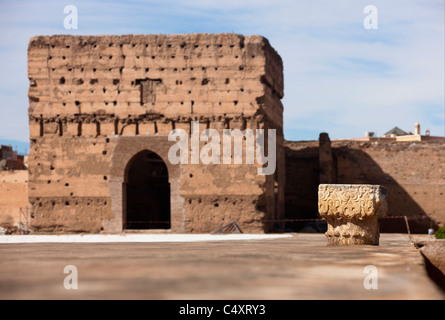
column 339, row 77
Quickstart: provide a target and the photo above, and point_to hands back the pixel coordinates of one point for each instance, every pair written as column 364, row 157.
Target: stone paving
column 302, row 266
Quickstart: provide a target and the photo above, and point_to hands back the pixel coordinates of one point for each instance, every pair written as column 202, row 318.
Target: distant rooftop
column 10, row 160
column 397, row 132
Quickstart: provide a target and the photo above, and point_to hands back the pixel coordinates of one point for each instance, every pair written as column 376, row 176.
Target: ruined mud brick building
column 101, row 109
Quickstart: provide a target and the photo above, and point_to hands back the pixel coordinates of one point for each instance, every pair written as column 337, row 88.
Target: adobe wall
column 96, row 101
column 302, row 179
column 413, row 173
column 14, row 196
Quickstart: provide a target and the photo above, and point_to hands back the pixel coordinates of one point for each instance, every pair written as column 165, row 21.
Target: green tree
column 440, row 234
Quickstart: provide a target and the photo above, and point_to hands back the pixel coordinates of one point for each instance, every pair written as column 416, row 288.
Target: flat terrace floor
column 299, row 266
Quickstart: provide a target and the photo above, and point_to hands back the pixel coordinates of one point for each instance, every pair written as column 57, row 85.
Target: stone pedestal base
column 352, row 213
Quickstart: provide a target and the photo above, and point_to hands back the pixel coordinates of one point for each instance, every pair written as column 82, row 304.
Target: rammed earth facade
column 101, row 109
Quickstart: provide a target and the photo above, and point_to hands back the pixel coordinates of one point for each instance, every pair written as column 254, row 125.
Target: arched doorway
column 147, row 190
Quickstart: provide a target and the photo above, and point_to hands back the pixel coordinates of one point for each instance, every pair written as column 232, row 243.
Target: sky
column 340, row 77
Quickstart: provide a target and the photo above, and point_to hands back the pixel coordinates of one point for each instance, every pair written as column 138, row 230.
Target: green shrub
column 440, row 234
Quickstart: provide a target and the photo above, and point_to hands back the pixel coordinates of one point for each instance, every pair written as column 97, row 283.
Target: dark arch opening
column 147, row 193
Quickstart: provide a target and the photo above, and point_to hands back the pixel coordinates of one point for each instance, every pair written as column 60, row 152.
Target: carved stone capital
column 352, row 212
